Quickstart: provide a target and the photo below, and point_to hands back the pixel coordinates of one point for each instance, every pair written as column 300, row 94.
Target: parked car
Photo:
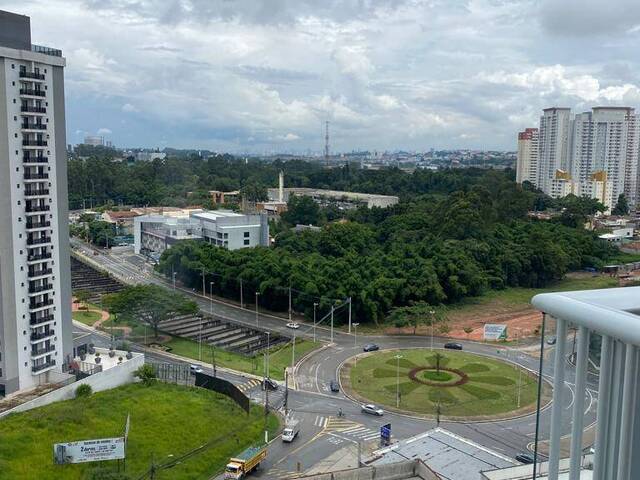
column 526, row 458
column 552, row 340
column 334, row 386
column 453, row 346
column 293, row 325
column 270, row 384
column 372, row 410
column 371, row 347
column 193, row 369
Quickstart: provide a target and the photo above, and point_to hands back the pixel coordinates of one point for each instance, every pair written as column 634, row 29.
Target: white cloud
column 104, row 131
column 128, row 108
column 387, row 74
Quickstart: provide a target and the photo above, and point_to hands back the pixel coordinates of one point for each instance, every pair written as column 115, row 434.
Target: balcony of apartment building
column 38, row 337
column 36, row 192
column 35, row 76
column 33, row 225
column 38, row 352
column 33, row 127
column 32, row 110
column 35, row 306
column 34, row 257
column 41, row 367
column 35, row 207
column 613, row 315
column 42, row 319
column 43, row 240
column 39, row 273
column 34, row 143
column 34, row 158
column 35, row 176
column 39, row 289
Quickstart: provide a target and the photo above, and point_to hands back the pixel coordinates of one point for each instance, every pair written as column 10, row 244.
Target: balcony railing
column 35, row 76
column 37, row 208
column 34, row 143
column 44, row 303
column 36, row 176
column 40, row 336
column 36, row 192
column 43, row 366
column 38, row 241
column 40, row 320
column 31, row 91
column 54, row 52
column 35, row 258
column 33, row 126
column 41, row 288
column 42, row 351
column 38, row 224
column 28, row 109
column 40, row 273
column 34, row 159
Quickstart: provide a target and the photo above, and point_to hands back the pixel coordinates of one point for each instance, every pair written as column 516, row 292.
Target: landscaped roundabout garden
column 464, row 385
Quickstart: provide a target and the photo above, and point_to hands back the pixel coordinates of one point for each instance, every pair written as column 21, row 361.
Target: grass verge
column 86, row 317
column 166, row 420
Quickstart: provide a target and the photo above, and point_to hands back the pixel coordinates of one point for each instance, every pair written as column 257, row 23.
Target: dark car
column 334, row 386
column 270, row 384
column 526, row 458
column 371, row 347
column 453, row 346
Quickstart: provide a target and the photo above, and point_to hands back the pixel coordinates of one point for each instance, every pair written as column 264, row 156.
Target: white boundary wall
column 107, row 379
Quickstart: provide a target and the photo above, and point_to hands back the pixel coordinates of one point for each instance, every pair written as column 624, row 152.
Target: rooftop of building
column 214, row 215
column 15, row 33
column 447, row 454
column 333, row 193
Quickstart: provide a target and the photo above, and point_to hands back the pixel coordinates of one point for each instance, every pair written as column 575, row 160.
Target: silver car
column 372, row 410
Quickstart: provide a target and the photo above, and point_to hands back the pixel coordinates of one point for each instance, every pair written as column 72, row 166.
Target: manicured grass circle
column 467, row 385
column 436, row 376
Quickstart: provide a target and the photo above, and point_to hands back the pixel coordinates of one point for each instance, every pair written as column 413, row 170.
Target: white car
column 371, row 410
column 193, row 369
column 293, row 325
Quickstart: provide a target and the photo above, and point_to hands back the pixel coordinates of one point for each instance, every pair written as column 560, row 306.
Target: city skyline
column 410, row 75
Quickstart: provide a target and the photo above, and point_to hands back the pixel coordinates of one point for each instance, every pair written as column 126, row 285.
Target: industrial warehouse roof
column 611, row 311
column 447, row 454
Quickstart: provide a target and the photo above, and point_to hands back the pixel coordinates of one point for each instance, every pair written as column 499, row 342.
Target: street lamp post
column 331, row 324
column 432, row 312
column 241, row 299
column 211, row 299
column 398, row 357
column 174, row 279
column 355, row 334
column 257, row 294
column 314, row 321
column 204, row 292
column 200, row 341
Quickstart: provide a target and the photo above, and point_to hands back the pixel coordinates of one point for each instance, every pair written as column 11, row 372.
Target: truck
column 291, row 429
column 245, row 463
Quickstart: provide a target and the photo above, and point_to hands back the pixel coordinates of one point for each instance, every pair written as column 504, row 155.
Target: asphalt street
column 322, row 433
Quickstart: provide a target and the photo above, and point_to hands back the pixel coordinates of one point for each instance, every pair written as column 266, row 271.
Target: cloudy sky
column 251, row 75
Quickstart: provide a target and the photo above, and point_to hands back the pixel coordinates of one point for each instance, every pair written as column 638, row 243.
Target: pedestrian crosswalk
column 351, row 429
column 321, row 421
column 283, row 474
column 246, row 386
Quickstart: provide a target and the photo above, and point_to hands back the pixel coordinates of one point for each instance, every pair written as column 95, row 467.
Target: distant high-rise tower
column 326, row 142
column 553, row 157
column 527, row 160
column 35, row 285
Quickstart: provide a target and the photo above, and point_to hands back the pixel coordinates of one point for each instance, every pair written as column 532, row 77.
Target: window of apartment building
column 247, row 241
column 246, row 234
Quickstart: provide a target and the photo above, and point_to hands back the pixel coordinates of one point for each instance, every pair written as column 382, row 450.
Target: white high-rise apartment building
column 604, row 154
column 553, row 154
column 527, row 159
column 35, row 286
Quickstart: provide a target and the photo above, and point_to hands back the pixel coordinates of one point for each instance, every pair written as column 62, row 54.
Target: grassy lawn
column 165, row 420
column 86, row 317
column 279, row 358
column 486, row 386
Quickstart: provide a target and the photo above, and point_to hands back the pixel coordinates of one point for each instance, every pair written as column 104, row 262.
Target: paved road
column 321, row 432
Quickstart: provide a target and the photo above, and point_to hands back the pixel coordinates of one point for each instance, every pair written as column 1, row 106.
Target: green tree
column 102, row 233
column 82, row 297
column 150, row 304
column 622, row 206
column 301, row 210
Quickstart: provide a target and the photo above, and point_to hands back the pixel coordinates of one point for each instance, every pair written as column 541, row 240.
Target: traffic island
column 451, row 385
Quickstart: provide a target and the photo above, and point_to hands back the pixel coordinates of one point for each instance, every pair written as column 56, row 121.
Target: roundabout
column 459, row 385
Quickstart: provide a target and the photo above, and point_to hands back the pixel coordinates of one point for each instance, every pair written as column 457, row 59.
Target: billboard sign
column 89, row 450
column 494, row 331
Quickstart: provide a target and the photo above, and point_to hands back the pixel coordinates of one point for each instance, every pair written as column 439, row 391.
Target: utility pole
column 211, row 298
column 286, row 393
column 432, row 312
column 200, row 341
column 314, row 321
column 293, row 351
column 349, row 314
column 398, row 357
column 332, row 323
column 213, row 360
column 241, row 299
column 173, row 274
column 289, row 302
column 204, row 292
column 257, row 294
